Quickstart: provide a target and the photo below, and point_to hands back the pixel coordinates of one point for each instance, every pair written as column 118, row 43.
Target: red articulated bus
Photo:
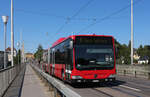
column 83, row 58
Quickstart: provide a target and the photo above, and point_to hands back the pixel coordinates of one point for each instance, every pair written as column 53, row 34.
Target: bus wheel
column 113, row 79
column 63, row 76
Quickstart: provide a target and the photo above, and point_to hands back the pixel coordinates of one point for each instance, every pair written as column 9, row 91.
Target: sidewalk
column 27, row 84
column 32, row 86
column 15, row 88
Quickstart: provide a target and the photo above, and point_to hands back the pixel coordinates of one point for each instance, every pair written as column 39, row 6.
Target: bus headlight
column 112, row 76
column 77, row 77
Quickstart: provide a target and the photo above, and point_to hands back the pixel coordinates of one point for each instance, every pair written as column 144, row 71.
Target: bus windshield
column 94, row 57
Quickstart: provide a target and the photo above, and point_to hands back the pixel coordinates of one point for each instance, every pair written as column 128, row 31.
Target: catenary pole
column 131, row 31
column 12, row 35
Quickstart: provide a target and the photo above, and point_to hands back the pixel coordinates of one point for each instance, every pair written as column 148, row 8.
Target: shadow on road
column 98, row 85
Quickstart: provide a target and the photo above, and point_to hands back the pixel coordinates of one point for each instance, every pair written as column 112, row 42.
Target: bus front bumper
column 78, row 79
column 92, row 80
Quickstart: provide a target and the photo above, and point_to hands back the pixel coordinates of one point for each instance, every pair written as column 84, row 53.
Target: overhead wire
column 40, row 13
column 54, row 15
column 74, row 15
column 108, row 16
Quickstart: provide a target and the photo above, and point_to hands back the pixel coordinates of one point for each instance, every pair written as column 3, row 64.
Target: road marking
column 130, row 88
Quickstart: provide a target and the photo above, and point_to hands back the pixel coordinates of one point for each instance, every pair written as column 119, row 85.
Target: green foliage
column 144, row 51
column 39, row 53
column 135, row 61
column 17, row 59
column 123, row 53
column 140, row 51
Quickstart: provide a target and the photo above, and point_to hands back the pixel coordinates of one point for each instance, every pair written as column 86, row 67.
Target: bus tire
column 113, row 79
column 63, row 76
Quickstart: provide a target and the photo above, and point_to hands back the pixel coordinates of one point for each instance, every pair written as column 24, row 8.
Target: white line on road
column 130, row 88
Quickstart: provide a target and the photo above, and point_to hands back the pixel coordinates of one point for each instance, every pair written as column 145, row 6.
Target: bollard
column 149, row 75
column 135, row 74
column 124, row 72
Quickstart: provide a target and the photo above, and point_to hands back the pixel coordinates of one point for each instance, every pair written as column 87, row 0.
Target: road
column 123, row 87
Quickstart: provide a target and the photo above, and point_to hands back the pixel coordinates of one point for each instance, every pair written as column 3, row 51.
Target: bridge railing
column 58, row 88
column 134, row 72
column 7, row 76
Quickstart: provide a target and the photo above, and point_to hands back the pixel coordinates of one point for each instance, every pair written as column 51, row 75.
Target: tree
column 123, row 53
column 39, row 54
column 140, row 51
column 17, row 59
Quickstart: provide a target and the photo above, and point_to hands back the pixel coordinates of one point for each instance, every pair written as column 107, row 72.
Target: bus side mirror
column 71, row 45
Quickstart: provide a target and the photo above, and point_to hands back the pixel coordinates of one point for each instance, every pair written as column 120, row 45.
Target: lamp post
column 5, row 20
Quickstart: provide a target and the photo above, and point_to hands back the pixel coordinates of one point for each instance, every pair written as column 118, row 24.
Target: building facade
column 2, row 59
column 8, row 50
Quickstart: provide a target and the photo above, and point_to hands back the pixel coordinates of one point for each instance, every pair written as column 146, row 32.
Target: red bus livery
column 83, row 58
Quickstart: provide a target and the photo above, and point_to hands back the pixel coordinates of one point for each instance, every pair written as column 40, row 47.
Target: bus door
column 48, row 60
column 53, row 61
column 69, row 59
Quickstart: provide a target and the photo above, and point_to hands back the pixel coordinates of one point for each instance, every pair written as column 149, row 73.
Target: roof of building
column 9, row 49
column 29, row 54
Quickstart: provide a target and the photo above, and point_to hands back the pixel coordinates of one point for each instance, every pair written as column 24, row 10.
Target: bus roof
column 73, row 37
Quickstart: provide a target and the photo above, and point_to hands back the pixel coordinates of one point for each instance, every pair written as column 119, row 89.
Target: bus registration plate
column 95, row 80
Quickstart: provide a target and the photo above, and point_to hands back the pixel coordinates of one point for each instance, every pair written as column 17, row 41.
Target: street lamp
column 5, row 19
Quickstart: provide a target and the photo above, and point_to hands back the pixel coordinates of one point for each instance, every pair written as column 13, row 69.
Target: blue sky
column 44, row 21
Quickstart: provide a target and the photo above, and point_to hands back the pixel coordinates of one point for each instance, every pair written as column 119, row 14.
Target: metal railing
column 7, row 76
column 134, row 72
column 60, row 90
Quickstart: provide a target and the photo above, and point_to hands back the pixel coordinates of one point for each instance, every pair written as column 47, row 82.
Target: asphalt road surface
column 124, row 86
